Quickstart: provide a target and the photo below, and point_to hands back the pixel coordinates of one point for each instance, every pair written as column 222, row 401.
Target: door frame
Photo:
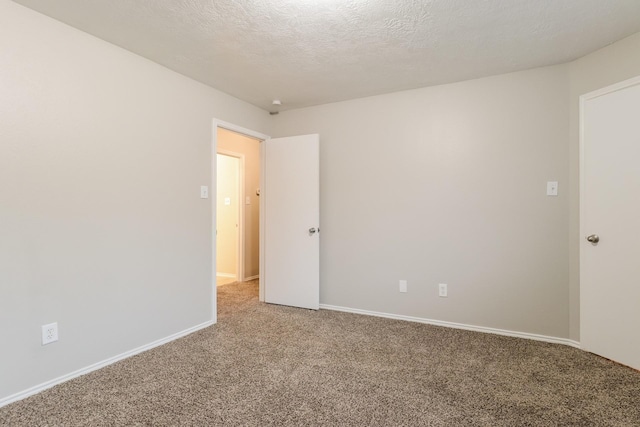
column 240, row 219
column 583, row 231
column 216, row 123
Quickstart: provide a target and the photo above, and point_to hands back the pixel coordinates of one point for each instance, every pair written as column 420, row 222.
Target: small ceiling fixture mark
column 276, row 103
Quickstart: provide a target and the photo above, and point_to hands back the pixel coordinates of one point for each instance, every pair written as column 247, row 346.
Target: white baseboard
column 41, row 387
column 230, row 275
column 257, row 276
column 526, row 335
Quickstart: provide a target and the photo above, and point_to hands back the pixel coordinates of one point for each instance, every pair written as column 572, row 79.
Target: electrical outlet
column 403, row 286
column 442, row 290
column 49, row 333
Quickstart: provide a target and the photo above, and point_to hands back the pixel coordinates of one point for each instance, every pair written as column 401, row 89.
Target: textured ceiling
column 309, row 52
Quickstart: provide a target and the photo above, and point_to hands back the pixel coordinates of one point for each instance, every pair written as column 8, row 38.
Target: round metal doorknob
column 312, row 230
column 593, row 238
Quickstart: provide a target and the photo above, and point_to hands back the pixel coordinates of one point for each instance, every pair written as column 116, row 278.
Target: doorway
column 237, row 207
column 228, row 176
column 295, row 160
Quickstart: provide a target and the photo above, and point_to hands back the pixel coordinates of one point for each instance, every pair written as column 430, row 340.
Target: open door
column 291, row 268
column 610, row 219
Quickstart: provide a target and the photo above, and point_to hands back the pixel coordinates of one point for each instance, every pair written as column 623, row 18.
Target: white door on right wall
column 610, row 223
column 291, row 264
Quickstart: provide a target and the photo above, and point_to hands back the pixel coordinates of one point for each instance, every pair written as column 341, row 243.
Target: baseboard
column 526, row 335
column 257, row 276
column 574, row 344
column 41, row 387
column 229, row 275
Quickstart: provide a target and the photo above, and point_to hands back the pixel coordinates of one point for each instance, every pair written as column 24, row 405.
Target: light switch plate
column 204, row 192
column 227, row 201
column 247, row 200
column 442, row 290
column 552, row 188
column 403, row 286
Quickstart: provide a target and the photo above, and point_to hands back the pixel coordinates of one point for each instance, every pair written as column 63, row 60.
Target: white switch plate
column 552, row 188
column 204, row 192
column 442, row 290
column 227, row 201
column 403, row 286
column 247, row 200
column 49, row 333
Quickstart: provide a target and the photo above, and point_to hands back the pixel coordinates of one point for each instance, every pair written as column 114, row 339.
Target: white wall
column 612, row 64
column 447, row 185
column 102, row 154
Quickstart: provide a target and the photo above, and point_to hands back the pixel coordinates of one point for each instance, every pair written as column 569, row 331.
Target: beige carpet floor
column 264, row 365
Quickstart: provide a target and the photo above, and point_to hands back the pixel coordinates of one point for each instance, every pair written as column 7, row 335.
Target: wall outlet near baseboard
column 49, row 333
column 442, row 290
column 403, row 286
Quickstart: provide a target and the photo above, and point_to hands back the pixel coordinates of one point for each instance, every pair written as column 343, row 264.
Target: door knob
column 593, row 238
column 312, row 230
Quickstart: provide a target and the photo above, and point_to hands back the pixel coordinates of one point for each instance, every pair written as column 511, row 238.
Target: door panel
column 292, row 207
column 610, row 208
column 227, row 208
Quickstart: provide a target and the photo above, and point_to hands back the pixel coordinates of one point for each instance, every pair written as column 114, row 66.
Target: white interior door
column 610, row 209
column 291, row 268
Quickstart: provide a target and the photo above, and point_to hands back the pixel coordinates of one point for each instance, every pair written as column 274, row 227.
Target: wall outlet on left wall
column 49, row 333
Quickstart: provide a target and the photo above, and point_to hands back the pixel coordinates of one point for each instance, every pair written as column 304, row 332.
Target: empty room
column 422, row 218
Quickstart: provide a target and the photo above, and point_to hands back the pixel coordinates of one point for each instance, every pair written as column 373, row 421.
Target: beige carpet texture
column 265, row 365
